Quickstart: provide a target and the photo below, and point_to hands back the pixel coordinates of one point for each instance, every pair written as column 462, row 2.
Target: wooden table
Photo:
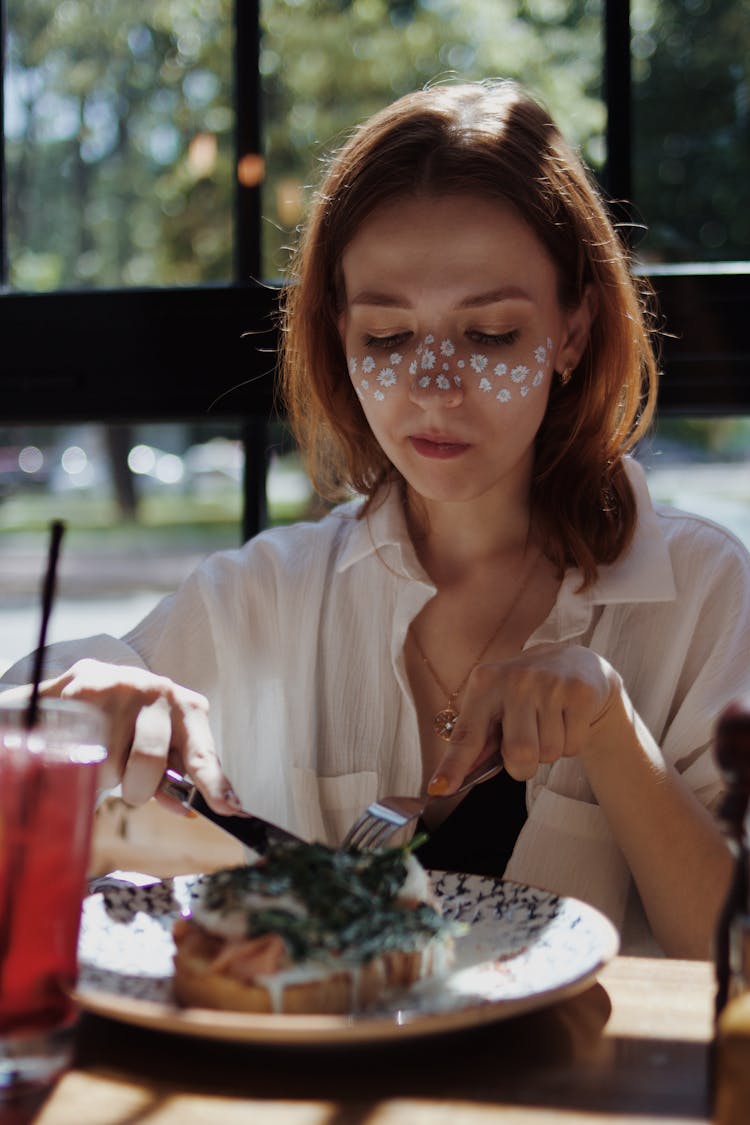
column 631, row 1048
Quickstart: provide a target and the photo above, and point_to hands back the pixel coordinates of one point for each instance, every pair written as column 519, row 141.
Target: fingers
column 145, row 762
column 475, row 735
column 192, row 734
column 545, row 702
column 153, row 723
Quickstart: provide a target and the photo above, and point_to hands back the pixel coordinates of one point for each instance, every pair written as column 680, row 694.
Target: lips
column 439, row 446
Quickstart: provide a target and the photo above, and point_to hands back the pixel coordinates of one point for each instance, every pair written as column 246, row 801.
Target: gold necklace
column 444, row 722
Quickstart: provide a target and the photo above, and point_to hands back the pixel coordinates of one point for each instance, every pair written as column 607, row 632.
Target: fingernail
column 231, row 798
column 439, row 785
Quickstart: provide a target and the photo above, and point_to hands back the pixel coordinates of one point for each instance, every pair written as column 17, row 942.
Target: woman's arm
column 673, row 846
column 566, row 701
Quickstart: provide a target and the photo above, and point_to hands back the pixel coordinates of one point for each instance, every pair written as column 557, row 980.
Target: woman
column 464, row 348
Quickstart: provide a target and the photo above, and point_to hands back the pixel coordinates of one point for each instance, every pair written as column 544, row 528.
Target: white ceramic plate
column 524, row 949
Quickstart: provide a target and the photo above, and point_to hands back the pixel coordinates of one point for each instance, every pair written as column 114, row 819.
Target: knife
column 252, row 831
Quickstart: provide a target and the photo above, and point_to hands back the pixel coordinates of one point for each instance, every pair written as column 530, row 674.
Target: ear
column 577, row 330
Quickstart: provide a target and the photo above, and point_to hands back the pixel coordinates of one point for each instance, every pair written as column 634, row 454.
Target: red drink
column 47, row 794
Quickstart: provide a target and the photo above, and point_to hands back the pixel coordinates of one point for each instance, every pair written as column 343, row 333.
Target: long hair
column 490, row 139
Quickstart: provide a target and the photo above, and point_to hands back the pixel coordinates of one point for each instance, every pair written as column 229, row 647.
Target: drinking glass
column 47, row 797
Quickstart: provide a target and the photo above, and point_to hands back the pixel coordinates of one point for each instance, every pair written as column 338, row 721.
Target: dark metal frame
column 208, row 353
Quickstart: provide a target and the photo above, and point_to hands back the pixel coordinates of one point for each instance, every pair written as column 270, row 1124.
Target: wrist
column 619, row 736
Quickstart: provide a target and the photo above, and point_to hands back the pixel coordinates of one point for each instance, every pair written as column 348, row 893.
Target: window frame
column 206, row 352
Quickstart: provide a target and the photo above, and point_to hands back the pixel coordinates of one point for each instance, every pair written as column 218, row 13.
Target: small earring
column 565, row 376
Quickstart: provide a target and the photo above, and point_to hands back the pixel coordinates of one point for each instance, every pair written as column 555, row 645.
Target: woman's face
column 452, row 330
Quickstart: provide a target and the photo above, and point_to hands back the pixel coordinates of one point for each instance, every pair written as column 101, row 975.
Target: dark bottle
column 732, row 750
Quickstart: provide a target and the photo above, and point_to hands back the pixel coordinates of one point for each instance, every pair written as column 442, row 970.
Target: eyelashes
column 398, row 339
column 492, row 339
column 387, row 342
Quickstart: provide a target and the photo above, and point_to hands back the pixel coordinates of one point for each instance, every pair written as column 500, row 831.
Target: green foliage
column 692, row 127
column 326, row 65
column 338, row 903
column 119, row 129
column 119, row 142
column 120, row 122
column 719, row 438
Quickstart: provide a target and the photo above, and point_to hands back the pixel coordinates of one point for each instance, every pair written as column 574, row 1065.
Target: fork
column 387, row 815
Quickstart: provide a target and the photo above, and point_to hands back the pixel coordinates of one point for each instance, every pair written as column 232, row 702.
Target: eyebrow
column 506, row 293
column 477, row 300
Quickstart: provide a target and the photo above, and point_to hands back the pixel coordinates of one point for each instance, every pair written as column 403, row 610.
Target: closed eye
column 490, row 339
column 387, row 342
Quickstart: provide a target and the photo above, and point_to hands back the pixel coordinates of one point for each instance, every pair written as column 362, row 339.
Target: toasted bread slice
column 233, row 952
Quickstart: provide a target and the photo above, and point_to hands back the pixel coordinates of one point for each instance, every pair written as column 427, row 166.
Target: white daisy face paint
column 501, row 371
column 452, row 325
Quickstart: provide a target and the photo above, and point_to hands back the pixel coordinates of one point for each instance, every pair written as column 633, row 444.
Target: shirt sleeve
column 713, row 575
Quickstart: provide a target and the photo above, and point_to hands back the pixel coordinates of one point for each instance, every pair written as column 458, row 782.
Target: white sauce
column 416, row 887
column 231, row 922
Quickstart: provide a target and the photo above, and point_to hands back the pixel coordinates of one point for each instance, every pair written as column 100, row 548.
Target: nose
column 433, row 388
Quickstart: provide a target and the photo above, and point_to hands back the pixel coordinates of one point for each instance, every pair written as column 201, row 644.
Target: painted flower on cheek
column 439, row 366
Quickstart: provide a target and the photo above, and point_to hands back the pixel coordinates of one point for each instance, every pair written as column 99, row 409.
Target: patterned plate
column 523, row 949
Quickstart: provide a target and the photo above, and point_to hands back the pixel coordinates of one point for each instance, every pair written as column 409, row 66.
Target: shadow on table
column 554, row 1057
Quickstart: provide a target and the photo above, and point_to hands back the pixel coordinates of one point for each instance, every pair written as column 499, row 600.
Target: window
column 119, row 143
column 158, row 158
column 691, row 107
column 690, row 114
column 326, row 65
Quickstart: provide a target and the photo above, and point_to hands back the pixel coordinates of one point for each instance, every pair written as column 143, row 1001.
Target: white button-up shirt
column 297, row 640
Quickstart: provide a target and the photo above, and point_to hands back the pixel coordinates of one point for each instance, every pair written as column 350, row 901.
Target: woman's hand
column 154, row 723
column 537, row 707
column 555, row 701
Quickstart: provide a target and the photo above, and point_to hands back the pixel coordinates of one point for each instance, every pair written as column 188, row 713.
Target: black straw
column 57, row 529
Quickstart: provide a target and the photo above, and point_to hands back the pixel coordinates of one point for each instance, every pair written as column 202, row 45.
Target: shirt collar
column 642, row 574
column 381, row 532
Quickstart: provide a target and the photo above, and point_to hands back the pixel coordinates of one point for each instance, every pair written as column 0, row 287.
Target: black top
column 480, row 834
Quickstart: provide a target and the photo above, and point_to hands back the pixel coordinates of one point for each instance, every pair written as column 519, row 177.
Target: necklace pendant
column 444, row 723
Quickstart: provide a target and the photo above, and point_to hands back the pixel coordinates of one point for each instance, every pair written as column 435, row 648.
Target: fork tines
column 376, row 825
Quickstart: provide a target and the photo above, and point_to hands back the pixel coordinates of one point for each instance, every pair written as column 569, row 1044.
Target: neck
column 453, row 538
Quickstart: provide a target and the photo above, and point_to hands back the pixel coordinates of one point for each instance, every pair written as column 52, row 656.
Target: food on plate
column 306, row 928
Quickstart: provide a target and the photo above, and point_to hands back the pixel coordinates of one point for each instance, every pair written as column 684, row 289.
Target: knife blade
column 252, row 831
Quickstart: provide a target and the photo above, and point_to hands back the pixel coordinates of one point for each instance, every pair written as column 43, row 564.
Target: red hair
column 493, row 140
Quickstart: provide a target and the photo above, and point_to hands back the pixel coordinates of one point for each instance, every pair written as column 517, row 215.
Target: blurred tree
column 328, row 64
column 692, row 128
column 119, row 142
column 119, row 117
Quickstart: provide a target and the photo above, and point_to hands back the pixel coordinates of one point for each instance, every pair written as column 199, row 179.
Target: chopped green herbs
column 349, row 901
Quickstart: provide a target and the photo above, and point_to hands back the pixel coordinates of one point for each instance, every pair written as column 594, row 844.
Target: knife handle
column 249, row 830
